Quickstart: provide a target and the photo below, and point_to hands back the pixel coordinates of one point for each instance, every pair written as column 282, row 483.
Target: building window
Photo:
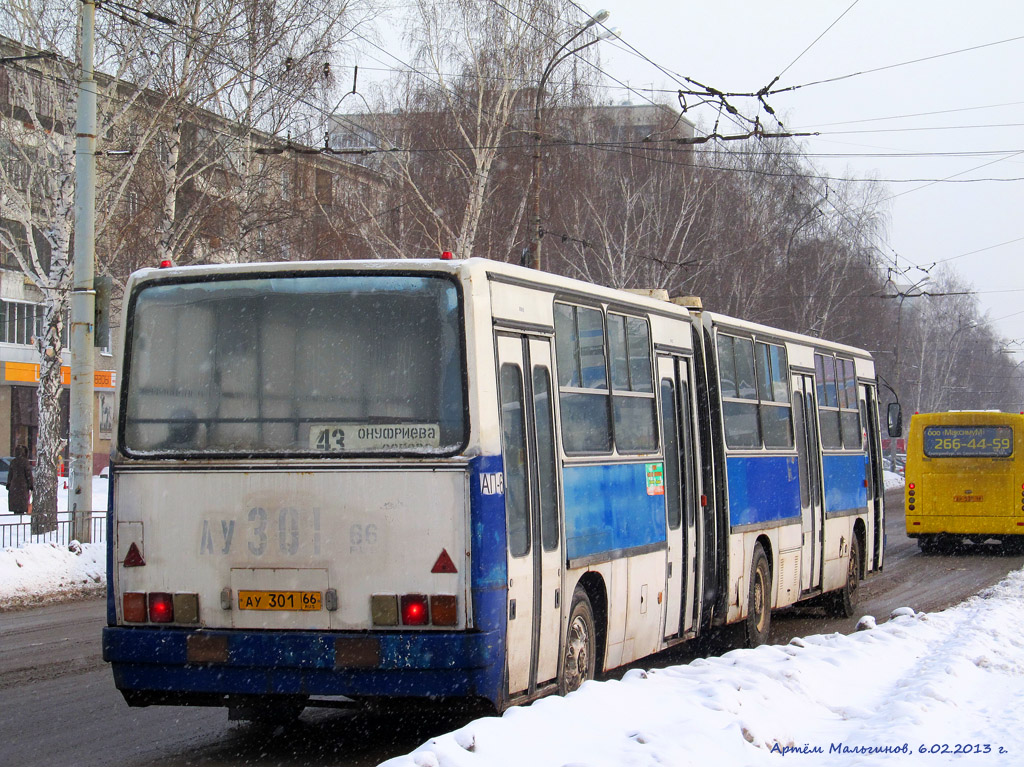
column 132, row 203
column 23, row 323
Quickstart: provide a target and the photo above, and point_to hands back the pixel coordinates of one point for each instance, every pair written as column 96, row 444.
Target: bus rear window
column 315, row 364
column 968, row 441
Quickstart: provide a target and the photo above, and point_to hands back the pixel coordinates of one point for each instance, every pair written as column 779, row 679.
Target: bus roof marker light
column 444, row 564
column 166, row 263
column 134, row 557
column 447, row 256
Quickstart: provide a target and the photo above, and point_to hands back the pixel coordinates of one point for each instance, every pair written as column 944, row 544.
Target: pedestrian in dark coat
column 19, row 481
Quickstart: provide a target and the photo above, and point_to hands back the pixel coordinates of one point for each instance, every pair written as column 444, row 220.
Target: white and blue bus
column 361, row 480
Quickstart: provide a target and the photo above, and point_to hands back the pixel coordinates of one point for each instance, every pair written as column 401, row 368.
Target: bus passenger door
column 805, row 419
column 675, row 479
column 876, row 484
column 534, row 548
column 681, row 494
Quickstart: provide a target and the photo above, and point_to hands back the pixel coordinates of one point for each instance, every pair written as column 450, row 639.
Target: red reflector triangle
column 134, row 557
column 444, row 564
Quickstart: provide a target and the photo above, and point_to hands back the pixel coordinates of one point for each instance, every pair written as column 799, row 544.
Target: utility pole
column 560, row 55
column 83, row 295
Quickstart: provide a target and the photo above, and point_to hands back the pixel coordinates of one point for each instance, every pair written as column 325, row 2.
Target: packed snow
column 38, row 569
column 910, row 688
column 924, row 689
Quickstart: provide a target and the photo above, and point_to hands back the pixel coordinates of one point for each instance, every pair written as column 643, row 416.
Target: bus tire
column 844, row 601
column 759, row 600
column 579, row 658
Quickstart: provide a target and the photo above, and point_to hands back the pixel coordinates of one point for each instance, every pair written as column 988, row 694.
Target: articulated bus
column 382, row 480
column 965, row 478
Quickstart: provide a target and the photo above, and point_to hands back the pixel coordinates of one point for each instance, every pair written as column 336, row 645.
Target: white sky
column 741, row 45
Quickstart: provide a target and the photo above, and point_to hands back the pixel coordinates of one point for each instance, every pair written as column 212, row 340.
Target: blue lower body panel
column 763, row 490
column 846, row 487
column 149, row 660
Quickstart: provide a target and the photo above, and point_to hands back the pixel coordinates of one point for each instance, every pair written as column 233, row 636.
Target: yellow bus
column 965, row 478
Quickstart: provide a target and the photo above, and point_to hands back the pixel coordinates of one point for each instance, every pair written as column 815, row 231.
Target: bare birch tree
column 462, row 120
column 37, row 189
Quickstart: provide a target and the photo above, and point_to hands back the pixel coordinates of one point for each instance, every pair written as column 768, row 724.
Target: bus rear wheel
column 580, row 644
column 759, row 596
column 844, row 602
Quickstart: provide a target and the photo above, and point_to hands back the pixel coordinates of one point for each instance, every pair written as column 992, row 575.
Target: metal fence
column 17, row 534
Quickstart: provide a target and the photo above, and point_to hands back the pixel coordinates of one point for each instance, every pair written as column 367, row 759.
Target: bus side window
column 673, row 477
column 583, row 394
column 545, row 458
column 633, row 403
column 739, row 395
column 513, row 443
column 828, row 401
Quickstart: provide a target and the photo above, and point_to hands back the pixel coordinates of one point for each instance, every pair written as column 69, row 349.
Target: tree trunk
column 49, row 444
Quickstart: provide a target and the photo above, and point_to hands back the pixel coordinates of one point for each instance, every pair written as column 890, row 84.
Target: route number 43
column 331, row 439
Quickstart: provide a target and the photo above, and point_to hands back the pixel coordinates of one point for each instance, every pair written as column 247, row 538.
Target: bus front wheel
column 580, row 645
column 759, row 596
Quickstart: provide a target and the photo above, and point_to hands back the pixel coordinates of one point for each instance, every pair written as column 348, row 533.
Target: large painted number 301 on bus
column 463, row 479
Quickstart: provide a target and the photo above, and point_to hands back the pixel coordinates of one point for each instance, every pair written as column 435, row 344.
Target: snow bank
column 914, row 690
column 892, row 480
column 44, row 572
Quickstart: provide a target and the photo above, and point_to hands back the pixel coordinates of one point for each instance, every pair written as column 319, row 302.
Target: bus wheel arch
column 861, row 537
column 588, row 614
column 843, row 602
column 758, row 621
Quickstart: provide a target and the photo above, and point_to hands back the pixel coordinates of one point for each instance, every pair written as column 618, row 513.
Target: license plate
column 280, row 600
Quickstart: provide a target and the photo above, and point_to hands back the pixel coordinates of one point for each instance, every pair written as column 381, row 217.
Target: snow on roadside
column 935, row 682
column 45, row 571
column 892, row 480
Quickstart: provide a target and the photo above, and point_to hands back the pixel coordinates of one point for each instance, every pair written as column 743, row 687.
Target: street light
column 561, row 54
column 908, row 293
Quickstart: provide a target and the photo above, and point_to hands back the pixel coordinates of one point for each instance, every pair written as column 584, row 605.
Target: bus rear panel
column 293, row 506
column 963, row 477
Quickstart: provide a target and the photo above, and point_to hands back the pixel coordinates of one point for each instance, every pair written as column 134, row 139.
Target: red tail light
column 414, row 610
column 161, row 607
